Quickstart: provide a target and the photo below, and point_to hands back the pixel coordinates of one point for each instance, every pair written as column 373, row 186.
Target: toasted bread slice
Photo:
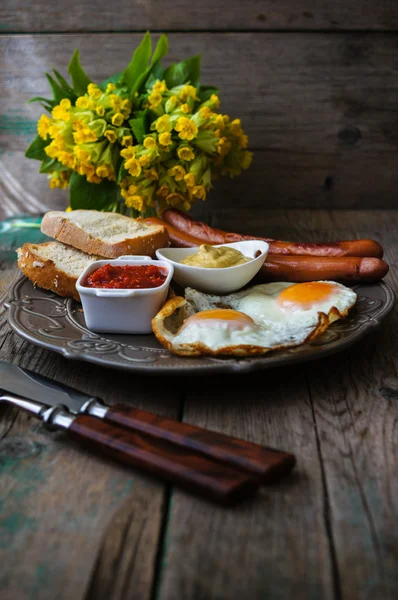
column 54, row 266
column 106, row 234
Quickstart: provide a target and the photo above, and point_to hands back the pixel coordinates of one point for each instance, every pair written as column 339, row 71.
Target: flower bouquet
column 143, row 140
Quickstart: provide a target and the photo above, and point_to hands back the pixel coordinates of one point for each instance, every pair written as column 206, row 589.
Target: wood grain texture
column 329, row 531
column 320, row 111
column 339, row 416
column 66, row 514
column 134, row 15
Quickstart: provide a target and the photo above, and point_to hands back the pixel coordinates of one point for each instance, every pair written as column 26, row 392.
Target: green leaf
column 139, row 128
column 157, row 72
column 183, row 72
column 138, row 64
column 49, row 165
column 92, row 196
column 205, row 91
column 64, row 84
column 58, row 92
column 45, row 103
column 113, row 79
column 80, row 80
column 162, row 48
column 36, row 149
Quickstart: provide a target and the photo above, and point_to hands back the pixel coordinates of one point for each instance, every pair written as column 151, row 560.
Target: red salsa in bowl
column 126, row 277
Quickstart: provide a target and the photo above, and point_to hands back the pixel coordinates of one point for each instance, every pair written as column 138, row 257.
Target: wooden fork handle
column 266, row 463
column 190, row 470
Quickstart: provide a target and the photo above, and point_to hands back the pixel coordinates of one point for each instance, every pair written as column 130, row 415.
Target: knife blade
column 267, row 463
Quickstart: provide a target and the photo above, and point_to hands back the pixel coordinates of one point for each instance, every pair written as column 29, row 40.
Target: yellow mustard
column 210, row 257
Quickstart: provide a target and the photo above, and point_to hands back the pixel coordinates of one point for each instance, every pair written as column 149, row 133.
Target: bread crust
column 57, row 226
column 45, row 273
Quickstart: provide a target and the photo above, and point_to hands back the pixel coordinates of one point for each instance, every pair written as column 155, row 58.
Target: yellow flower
column 159, row 86
column 151, row 174
column 163, row 124
column 127, row 140
column 188, row 91
column 100, row 110
column 154, row 100
column 59, row 179
column 243, row 140
column 136, row 202
column 128, row 152
column 110, row 136
column 94, row 91
column 68, row 209
column 235, row 127
column 199, row 191
column 190, row 180
column 53, row 130
column 205, row 112
column 174, row 199
column 117, row 119
column 246, row 160
column 43, row 126
column 110, row 88
column 60, row 113
column 87, row 169
column 214, row 100
column 177, row 172
column 149, row 142
column 103, row 170
column 133, row 167
column 67, row 159
column 116, row 102
column 165, row 138
column 163, row 191
column 132, row 189
column 82, row 154
column 125, row 108
column 94, row 179
column 82, row 102
column 144, row 160
column 185, row 153
column 187, row 128
column 84, row 135
column 185, row 108
column 223, row 146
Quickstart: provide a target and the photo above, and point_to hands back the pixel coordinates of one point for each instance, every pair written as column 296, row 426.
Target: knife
column 195, row 473
column 265, row 463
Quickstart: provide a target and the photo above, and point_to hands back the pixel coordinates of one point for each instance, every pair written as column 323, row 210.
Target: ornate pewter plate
column 58, row 324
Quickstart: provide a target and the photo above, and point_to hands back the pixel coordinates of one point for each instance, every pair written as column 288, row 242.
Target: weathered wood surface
column 175, row 15
column 101, row 532
column 320, row 111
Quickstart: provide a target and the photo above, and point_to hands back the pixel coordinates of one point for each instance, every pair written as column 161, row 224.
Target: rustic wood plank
column 67, row 516
column 338, row 415
column 177, row 15
column 320, row 112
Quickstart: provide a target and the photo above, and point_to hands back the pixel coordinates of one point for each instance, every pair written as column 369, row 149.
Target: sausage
column 349, row 269
column 178, row 239
column 298, row 268
column 211, row 235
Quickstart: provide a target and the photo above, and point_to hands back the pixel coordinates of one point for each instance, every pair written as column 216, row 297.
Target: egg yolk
column 234, row 318
column 304, row 296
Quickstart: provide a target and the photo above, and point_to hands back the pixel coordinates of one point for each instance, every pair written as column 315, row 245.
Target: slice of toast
column 54, row 266
column 106, row 234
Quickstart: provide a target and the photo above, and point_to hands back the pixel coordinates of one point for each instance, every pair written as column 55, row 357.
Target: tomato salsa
column 126, row 277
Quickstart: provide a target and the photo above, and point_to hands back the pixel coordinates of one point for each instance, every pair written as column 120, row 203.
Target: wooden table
column 76, row 526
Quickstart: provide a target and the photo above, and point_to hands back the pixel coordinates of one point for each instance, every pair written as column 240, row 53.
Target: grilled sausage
column 211, row 235
column 349, row 269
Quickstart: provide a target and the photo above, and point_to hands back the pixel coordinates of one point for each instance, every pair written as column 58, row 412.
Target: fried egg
column 253, row 321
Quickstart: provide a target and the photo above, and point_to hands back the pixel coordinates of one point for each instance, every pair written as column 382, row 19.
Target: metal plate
column 58, row 324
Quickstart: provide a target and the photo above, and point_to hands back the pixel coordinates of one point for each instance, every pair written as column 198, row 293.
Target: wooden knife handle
column 196, row 473
column 266, row 463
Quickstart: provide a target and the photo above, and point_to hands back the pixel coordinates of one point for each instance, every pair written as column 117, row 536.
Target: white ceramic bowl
column 123, row 310
column 216, row 281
